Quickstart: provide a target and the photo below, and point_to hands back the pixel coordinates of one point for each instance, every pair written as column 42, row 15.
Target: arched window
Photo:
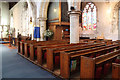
column 89, row 17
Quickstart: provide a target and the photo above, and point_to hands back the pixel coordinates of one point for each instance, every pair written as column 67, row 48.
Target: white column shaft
column 74, row 28
column 42, row 30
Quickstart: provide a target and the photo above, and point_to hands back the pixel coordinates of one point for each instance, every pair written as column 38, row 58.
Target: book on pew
column 73, row 65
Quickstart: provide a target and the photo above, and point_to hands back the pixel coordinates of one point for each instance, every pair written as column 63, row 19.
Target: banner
column 36, row 32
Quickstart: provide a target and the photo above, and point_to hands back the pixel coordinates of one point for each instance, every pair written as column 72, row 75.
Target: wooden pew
column 18, row 42
column 42, row 49
column 115, row 71
column 88, row 65
column 21, row 38
column 27, row 45
column 90, row 40
column 34, row 46
column 22, row 45
column 97, row 41
column 65, row 57
column 55, row 51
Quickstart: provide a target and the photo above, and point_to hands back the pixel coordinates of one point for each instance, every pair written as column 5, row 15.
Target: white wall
column 21, row 19
column 106, row 26
column 4, row 19
column 4, row 13
column 0, row 11
column 107, row 21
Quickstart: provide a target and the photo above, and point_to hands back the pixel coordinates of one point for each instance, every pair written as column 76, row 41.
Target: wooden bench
column 97, row 41
column 90, row 66
column 27, row 45
column 51, row 52
column 34, row 46
column 66, row 57
column 41, row 50
column 22, row 45
column 115, row 71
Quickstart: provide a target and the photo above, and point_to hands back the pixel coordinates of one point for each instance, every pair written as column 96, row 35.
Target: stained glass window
column 89, row 17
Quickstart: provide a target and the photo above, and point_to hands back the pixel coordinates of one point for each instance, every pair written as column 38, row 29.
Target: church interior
column 60, row 39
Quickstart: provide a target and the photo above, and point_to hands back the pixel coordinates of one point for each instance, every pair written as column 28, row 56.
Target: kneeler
column 36, row 53
column 92, row 56
column 107, row 68
column 28, row 51
column 45, row 55
column 98, row 54
column 57, row 59
column 98, row 72
column 117, row 61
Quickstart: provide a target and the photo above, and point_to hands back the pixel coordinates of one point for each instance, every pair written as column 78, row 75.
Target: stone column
column 42, row 23
column 74, row 26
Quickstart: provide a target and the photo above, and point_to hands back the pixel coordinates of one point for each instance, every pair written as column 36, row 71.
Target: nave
column 90, row 58
column 60, row 39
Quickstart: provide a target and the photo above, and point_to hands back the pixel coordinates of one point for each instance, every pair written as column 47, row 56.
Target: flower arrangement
column 48, row 33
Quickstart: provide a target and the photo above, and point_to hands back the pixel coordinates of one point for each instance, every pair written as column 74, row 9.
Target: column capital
column 42, row 19
column 74, row 12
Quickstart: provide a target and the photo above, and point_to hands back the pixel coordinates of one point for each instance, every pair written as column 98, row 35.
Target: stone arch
column 43, row 12
column 32, row 6
column 115, row 19
column 44, row 7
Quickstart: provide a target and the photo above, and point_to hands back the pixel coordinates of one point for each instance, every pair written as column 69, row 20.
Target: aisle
column 15, row 66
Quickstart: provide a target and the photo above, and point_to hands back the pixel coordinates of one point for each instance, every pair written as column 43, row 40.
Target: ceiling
column 11, row 2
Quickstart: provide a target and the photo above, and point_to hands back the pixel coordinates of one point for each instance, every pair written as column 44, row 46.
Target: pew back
column 88, row 65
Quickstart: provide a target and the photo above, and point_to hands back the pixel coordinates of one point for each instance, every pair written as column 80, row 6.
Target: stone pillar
column 74, row 26
column 42, row 23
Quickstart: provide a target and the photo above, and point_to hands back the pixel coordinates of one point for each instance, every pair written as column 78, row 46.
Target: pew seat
column 117, row 61
column 107, row 67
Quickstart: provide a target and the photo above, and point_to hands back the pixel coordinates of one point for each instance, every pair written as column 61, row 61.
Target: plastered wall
column 4, row 19
column 21, row 19
column 4, row 13
column 107, row 21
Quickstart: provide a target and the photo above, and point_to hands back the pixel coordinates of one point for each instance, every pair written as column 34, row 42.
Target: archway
column 58, row 19
column 43, row 7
